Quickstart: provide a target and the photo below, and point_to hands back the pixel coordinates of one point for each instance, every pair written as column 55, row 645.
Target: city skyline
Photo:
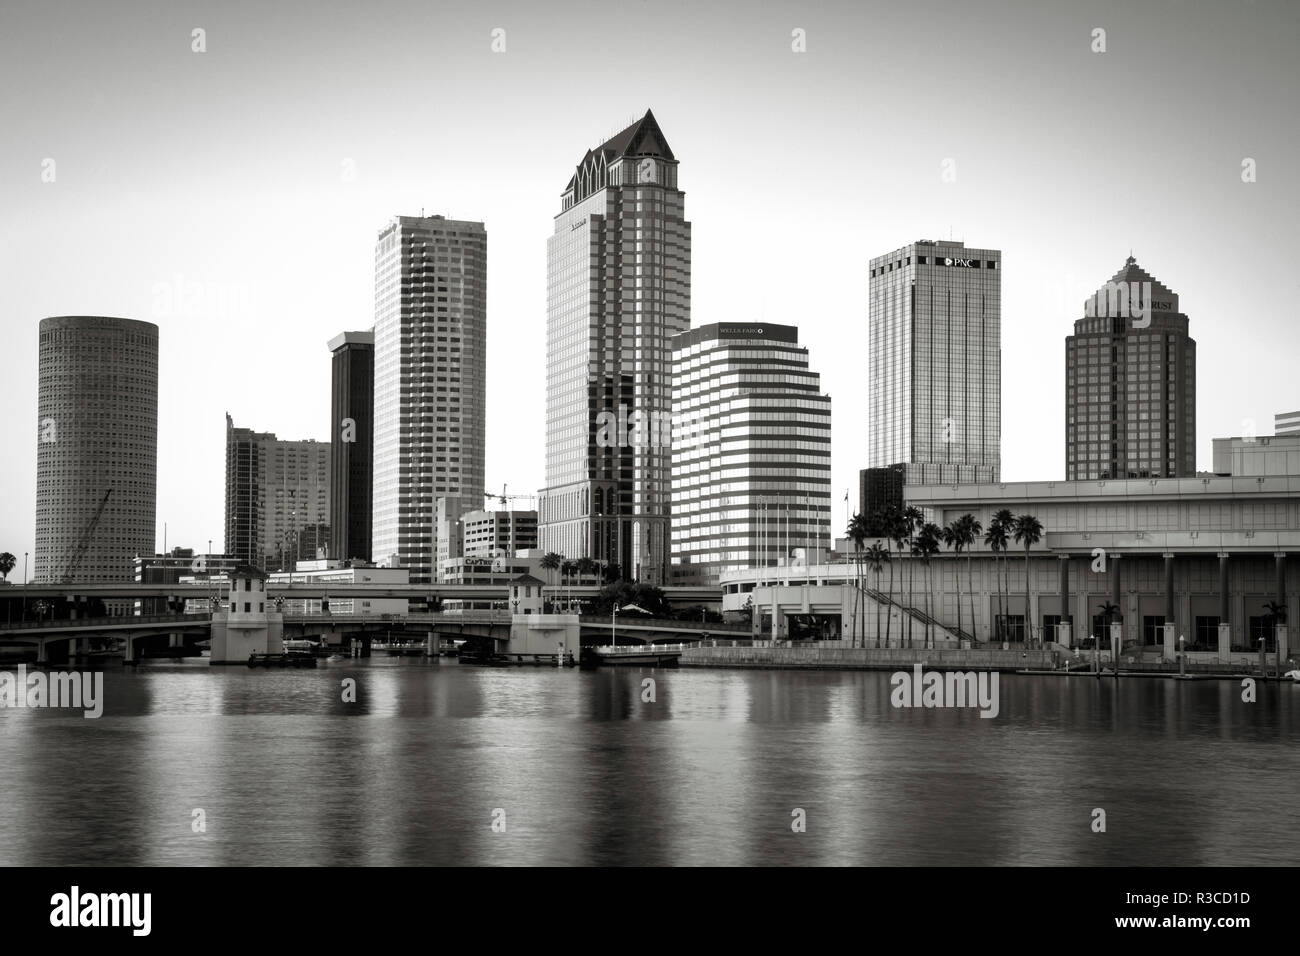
column 1080, row 218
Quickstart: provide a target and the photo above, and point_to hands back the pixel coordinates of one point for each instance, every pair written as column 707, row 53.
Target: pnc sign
column 962, row 263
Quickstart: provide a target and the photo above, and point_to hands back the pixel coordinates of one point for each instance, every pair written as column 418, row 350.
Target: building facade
column 1286, row 423
column 430, row 386
column 352, row 406
column 1130, row 384
column 97, row 448
column 489, row 534
column 277, row 498
column 618, row 290
column 935, row 356
column 1194, row 564
column 751, row 464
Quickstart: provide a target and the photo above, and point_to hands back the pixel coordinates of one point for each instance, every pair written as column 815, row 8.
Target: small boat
column 290, row 659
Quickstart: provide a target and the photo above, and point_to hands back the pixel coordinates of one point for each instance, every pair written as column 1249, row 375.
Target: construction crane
column 84, row 544
column 505, row 499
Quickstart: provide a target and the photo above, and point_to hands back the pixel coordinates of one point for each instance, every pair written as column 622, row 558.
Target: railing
column 667, row 623
column 121, row 620
column 640, row 648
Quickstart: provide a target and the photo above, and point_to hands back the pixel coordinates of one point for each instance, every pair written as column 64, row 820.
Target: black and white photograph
column 649, row 434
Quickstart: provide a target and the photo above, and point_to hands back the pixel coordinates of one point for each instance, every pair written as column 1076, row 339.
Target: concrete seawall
column 865, row 658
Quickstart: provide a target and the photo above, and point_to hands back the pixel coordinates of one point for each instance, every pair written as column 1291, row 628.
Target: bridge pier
column 42, row 651
column 129, row 657
column 175, row 640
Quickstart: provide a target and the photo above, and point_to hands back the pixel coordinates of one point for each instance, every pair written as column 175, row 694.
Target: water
column 586, row 772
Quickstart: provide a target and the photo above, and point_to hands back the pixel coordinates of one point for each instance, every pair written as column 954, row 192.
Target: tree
column 857, row 532
column 7, row 562
column 953, row 536
column 550, row 562
column 1029, row 530
column 1108, row 613
column 895, row 528
column 566, row 572
column 587, row 567
column 877, row 558
column 997, row 538
column 913, row 519
column 925, row 546
column 623, row 593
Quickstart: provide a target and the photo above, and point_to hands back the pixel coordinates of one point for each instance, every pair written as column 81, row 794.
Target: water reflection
column 580, row 768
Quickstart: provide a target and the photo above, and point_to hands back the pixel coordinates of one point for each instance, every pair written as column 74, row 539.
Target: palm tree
column 566, row 572
column 925, row 545
column 1029, row 530
column 551, row 561
column 997, row 539
column 877, row 558
column 7, row 562
column 1108, row 612
column 857, row 532
column 953, row 536
column 587, row 567
column 913, row 518
column 970, row 531
column 1005, row 518
column 893, row 531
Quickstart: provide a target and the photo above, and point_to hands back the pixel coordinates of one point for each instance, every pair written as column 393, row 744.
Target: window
column 1153, row 629
column 248, row 607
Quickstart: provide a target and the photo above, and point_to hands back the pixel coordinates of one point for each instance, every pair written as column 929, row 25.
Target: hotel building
column 1130, row 384
column 352, row 405
column 751, row 466
column 430, row 368
column 618, row 290
column 935, row 356
column 97, row 448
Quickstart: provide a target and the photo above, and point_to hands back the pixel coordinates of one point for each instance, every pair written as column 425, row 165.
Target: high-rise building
column 1286, row 423
column 935, row 354
column 97, row 448
column 277, row 498
column 618, row 290
column 751, row 472
column 352, row 407
column 1130, row 384
column 430, row 384
column 489, row 534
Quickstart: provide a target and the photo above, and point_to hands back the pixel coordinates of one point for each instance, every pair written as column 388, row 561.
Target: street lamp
column 25, row 585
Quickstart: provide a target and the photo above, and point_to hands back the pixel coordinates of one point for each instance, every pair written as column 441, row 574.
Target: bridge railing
column 118, row 620
column 668, row 623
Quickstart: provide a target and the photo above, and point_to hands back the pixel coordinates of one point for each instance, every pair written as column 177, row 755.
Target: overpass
column 308, row 591
column 131, row 630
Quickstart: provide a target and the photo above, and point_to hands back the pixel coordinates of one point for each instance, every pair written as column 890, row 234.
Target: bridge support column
column 129, row 657
column 42, row 651
column 175, row 640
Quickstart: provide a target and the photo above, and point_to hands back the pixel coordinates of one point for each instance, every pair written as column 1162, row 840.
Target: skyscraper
column 277, row 498
column 430, row 384
column 751, row 451
column 1130, row 384
column 1286, row 423
column 618, row 290
column 352, row 407
column 97, row 448
column 936, row 364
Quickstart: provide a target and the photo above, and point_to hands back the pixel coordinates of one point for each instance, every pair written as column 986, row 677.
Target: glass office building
column 618, row 290
column 751, row 452
column 935, row 354
column 1130, row 384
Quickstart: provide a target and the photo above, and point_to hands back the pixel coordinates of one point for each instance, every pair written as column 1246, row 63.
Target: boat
column 289, row 659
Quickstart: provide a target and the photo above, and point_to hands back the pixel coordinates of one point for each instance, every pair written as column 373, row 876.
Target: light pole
column 614, row 627
column 24, row 585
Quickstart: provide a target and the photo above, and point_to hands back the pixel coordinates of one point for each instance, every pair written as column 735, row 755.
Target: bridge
column 298, row 590
column 332, row 628
column 131, row 630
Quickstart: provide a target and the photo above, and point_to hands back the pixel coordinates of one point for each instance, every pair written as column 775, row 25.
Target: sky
column 233, row 195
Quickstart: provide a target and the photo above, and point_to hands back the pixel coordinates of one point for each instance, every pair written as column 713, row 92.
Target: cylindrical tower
column 97, row 448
